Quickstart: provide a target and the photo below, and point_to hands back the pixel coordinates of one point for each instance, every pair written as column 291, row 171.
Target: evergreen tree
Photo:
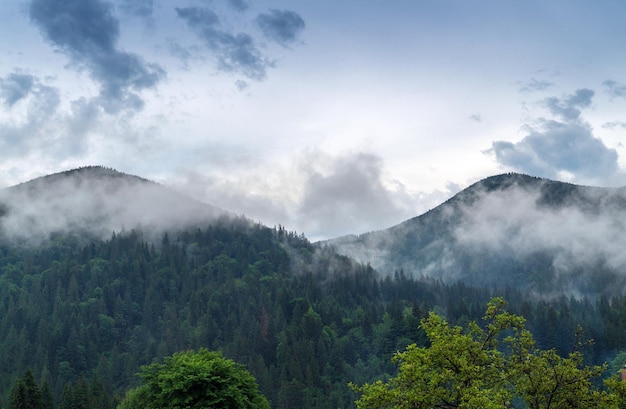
column 46, row 394
column 26, row 394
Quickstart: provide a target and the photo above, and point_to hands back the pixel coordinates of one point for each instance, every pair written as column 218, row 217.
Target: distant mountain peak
column 96, row 200
column 510, row 230
column 85, row 173
column 506, row 180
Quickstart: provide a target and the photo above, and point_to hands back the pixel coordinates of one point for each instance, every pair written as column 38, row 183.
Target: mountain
column 92, row 311
column 305, row 321
column 95, row 201
column 543, row 236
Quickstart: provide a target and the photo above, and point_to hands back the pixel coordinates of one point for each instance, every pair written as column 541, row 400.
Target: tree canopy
column 196, row 380
column 303, row 320
column 26, row 394
column 487, row 367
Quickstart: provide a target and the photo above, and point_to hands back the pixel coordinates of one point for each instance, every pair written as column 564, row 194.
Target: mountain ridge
column 95, row 200
column 542, row 235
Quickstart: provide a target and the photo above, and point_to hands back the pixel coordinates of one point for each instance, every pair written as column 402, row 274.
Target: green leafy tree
column 486, row 367
column 195, row 380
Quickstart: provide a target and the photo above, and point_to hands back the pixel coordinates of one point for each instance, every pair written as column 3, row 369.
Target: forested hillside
column 543, row 236
column 302, row 319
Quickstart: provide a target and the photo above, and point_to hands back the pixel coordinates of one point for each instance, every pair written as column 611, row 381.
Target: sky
column 325, row 117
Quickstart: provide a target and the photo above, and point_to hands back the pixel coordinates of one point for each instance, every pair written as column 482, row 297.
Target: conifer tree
column 26, row 394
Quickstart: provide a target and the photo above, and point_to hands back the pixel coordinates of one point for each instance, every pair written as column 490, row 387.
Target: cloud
column 139, row 8
column 349, row 194
column 31, row 104
column 241, row 85
column 281, row 26
column 87, row 32
column 615, row 89
column 15, row 88
column 560, row 148
column 96, row 201
column 323, row 195
column 475, row 118
column 239, row 5
column 234, row 52
column 568, row 108
column 614, row 124
column 515, row 223
column 38, row 129
column 535, row 85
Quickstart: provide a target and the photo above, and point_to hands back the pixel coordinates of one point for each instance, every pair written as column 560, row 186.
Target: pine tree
column 26, row 394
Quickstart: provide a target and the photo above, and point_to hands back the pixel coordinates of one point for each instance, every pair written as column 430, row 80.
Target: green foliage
column 196, row 380
column 475, row 369
column 302, row 319
column 26, row 394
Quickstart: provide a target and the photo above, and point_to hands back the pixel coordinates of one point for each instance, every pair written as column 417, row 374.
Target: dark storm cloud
column 281, row 26
column 234, row 52
column 615, row 89
column 568, row 108
column 15, row 88
column 565, row 145
column 87, row 32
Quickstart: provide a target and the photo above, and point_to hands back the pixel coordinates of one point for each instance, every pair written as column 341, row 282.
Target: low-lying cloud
column 545, row 237
column 350, row 195
column 319, row 194
column 95, row 201
column 579, row 236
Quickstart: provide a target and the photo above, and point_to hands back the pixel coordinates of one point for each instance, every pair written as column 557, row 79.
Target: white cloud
column 565, row 147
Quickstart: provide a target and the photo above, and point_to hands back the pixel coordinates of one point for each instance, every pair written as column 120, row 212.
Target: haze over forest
column 297, row 184
column 544, row 236
column 102, row 272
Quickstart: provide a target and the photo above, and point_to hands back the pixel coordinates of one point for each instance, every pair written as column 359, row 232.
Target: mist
column 96, row 202
column 544, row 236
column 582, row 231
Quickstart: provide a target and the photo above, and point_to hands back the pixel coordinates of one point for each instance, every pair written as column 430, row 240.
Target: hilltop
column 542, row 236
column 95, row 201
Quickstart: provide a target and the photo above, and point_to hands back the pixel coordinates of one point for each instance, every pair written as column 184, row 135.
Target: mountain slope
column 510, row 230
column 95, row 201
column 302, row 319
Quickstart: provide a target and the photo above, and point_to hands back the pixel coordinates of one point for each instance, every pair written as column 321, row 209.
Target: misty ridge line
column 96, row 201
column 511, row 229
column 544, row 236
